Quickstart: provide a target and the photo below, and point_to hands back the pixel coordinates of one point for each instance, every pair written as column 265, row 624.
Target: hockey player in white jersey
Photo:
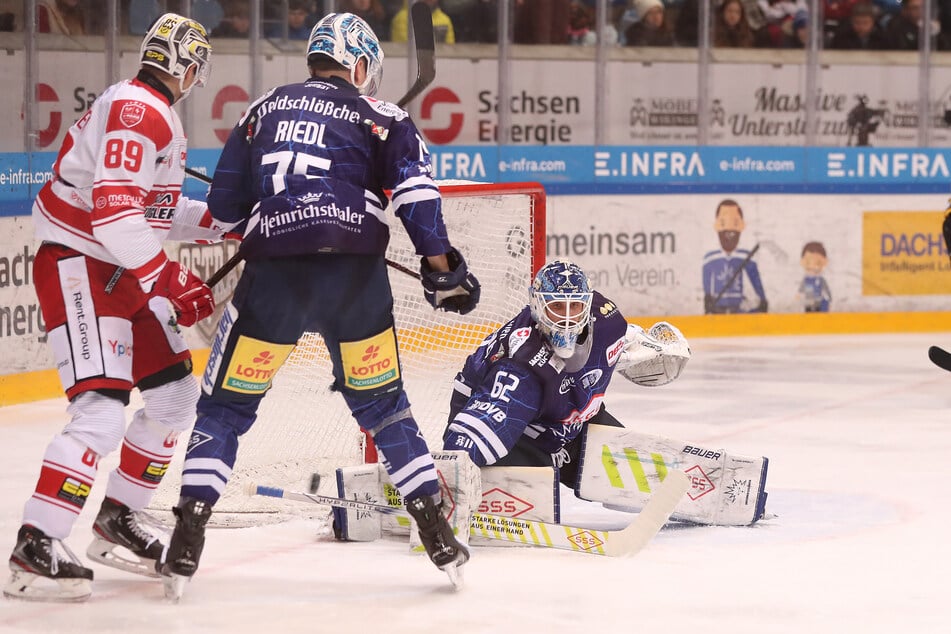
column 104, row 285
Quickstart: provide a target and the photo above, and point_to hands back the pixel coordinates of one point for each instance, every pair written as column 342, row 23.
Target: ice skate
column 441, row 545
column 36, row 560
column 184, row 550
column 135, row 532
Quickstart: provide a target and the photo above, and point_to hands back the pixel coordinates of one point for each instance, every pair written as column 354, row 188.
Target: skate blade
column 113, row 555
column 20, row 586
column 455, row 574
column 174, row 586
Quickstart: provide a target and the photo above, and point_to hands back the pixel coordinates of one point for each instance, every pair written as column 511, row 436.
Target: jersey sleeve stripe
column 478, row 426
column 407, row 197
column 488, row 456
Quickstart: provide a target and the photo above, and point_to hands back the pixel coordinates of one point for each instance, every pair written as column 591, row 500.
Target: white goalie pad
column 654, row 357
column 459, row 482
column 461, row 486
column 620, row 468
column 530, row 493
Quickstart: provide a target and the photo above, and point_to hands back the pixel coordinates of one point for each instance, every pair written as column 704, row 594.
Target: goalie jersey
column 514, row 385
column 307, row 167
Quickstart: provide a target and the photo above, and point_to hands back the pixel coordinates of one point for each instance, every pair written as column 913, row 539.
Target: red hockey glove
column 192, row 299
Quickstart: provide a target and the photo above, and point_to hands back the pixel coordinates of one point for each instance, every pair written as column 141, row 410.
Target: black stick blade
column 940, row 357
column 425, row 41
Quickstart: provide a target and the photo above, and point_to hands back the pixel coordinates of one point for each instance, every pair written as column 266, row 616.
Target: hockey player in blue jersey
column 525, row 395
column 305, row 171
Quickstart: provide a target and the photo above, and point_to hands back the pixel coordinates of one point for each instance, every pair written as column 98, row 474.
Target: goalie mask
column 346, row 39
column 560, row 301
column 173, row 45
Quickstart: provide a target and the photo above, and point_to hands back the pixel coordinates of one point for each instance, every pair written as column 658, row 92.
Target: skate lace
column 48, row 546
column 143, row 526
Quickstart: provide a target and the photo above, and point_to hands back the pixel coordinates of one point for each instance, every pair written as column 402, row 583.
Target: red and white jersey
column 118, row 182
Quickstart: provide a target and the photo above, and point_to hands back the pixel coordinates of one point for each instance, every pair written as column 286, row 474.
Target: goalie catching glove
column 191, row 298
column 654, row 357
column 456, row 290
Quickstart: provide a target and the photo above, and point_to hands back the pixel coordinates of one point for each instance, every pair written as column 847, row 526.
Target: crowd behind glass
column 846, row 24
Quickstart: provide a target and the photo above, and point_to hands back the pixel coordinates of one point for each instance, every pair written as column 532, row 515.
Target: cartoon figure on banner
column 717, row 113
column 814, row 292
column 724, row 269
column 863, row 121
column 639, row 113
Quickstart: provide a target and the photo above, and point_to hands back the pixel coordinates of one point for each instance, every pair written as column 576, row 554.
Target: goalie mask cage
column 304, row 428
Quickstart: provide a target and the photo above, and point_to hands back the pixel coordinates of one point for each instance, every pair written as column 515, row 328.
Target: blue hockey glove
column 456, row 290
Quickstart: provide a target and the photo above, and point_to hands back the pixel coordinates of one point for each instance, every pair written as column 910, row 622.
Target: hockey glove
column 456, row 290
column 191, row 298
column 655, row 357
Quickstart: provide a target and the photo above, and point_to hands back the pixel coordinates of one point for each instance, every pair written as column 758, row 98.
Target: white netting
column 303, row 427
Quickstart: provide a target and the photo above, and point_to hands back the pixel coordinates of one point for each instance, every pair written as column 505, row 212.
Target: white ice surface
column 858, row 433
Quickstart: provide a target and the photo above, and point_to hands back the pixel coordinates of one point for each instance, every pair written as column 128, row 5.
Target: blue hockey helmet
column 560, row 301
column 346, row 39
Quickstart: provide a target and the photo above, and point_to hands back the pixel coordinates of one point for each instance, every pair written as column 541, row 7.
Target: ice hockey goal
column 303, row 428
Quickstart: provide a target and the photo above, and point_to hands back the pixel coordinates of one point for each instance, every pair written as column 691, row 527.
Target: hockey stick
column 940, row 357
column 736, row 274
column 422, row 18
column 619, row 543
column 425, row 41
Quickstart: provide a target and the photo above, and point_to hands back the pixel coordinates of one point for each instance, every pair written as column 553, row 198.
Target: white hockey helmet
column 173, row 45
column 560, row 301
column 346, row 39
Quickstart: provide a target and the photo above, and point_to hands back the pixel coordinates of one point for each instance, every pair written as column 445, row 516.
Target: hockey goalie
column 528, row 409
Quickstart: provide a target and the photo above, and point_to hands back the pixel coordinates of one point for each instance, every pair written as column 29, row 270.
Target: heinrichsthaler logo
column 310, row 212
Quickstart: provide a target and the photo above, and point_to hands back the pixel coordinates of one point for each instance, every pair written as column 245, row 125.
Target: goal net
column 303, row 428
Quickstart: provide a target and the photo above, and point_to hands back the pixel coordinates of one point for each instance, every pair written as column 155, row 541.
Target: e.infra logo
column 434, row 98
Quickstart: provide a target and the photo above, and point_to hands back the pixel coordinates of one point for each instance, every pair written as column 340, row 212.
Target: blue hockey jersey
column 513, row 386
column 307, row 168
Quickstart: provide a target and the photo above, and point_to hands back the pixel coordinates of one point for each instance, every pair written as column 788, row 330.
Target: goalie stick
column 625, row 542
column 425, row 41
column 940, row 357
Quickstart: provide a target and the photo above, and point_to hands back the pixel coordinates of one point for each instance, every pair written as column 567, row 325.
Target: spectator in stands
column 442, row 25
column 651, row 27
column 473, row 20
column 730, row 28
column 799, row 36
column 582, row 25
column 779, row 16
column 299, row 22
column 371, row 11
column 901, row 32
column 860, row 31
column 541, row 21
column 237, row 20
column 65, row 17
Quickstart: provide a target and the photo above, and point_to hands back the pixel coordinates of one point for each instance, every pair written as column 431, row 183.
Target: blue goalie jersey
column 513, row 386
column 307, row 169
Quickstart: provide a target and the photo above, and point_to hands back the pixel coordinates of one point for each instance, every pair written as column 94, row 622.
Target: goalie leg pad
column 363, row 483
column 530, row 493
column 621, row 467
column 460, row 484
